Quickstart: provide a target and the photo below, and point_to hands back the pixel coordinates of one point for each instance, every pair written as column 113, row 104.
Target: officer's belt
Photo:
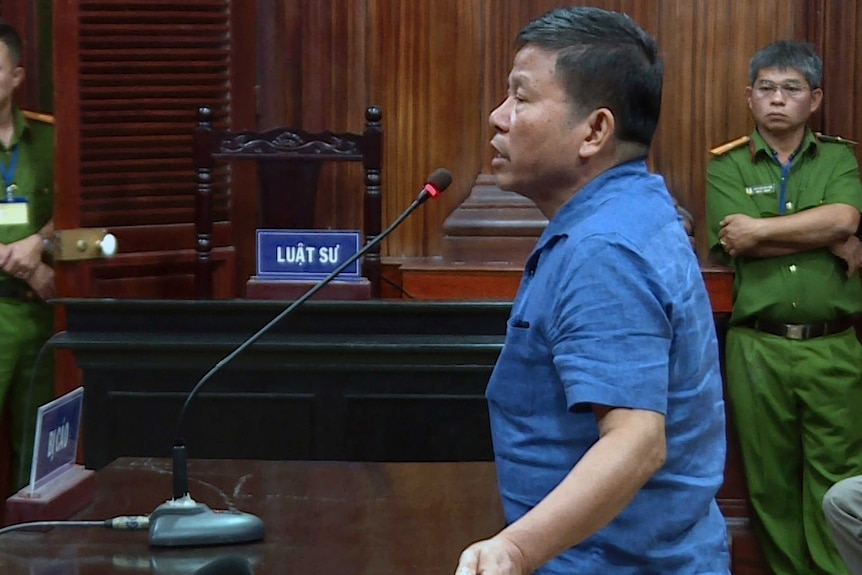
column 14, row 290
column 800, row 331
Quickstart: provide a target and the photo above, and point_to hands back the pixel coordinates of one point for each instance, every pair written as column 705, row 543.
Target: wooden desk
column 333, row 518
column 433, row 279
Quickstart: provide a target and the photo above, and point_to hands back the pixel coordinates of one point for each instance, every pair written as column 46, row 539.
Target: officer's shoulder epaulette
column 38, row 116
column 731, row 145
column 834, row 139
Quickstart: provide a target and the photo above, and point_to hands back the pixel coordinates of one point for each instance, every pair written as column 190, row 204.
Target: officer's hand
column 857, row 259
column 42, row 281
column 22, row 257
column 739, row 233
column 495, row 556
column 850, row 250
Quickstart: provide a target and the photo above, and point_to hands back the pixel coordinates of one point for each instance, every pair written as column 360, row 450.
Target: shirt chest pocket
column 521, row 372
column 765, row 198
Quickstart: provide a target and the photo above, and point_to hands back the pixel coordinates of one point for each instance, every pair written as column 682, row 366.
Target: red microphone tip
column 438, row 181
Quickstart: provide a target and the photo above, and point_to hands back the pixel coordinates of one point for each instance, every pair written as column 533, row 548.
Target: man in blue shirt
column 606, row 402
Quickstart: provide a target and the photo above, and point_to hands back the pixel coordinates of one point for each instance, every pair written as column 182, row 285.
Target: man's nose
column 778, row 96
column 499, row 117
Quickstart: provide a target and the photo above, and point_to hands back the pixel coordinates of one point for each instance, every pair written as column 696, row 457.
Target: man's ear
column 748, row 96
column 599, row 128
column 816, row 99
column 17, row 76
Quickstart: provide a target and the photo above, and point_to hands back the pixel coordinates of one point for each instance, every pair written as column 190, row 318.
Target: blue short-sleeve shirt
column 612, row 310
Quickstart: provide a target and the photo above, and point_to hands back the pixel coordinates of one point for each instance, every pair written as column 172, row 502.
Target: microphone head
column 438, row 181
column 441, row 178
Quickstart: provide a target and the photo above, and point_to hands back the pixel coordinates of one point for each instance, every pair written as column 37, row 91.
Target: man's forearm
column 46, row 231
column 42, row 281
column 774, row 249
column 815, row 228
column 594, row 492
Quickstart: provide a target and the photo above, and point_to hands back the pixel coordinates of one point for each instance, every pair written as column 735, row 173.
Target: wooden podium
column 258, row 288
column 378, row 380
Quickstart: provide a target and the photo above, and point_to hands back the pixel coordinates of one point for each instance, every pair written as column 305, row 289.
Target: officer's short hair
column 788, row 54
column 10, row 37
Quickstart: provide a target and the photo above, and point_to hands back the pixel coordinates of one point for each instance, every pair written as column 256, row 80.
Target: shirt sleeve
column 845, row 186
column 611, row 337
column 724, row 196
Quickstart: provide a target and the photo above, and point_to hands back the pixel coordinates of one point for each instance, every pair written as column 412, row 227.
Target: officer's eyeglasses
column 766, row 89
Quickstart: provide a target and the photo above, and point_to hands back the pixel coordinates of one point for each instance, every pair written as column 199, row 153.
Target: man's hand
column 42, row 281
column 739, row 233
column 21, row 258
column 495, row 556
column 850, row 250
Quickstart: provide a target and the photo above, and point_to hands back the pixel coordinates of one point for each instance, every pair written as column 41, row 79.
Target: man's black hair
column 10, row 37
column 787, row 54
column 605, row 60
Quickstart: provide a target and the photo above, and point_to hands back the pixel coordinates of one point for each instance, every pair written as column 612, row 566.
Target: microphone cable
column 121, row 522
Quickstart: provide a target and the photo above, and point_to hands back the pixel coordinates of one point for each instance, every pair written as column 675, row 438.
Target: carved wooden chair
column 288, row 161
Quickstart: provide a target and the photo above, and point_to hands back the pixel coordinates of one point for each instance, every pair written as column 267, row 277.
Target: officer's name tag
column 13, row 212
column 761, row 189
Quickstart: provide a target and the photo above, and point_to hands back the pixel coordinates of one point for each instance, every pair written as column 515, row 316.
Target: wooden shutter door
column 129, row 77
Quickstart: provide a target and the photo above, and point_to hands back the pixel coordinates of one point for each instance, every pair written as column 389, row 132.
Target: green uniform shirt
column 34, row 176
column 806, row 287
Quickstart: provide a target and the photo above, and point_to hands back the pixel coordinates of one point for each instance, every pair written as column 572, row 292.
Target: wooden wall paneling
column 840, row 45
column 683, row 92
column 453, row 137
column 333, row 96
column 503, row 20
column 279, row 63
column 242, row 201
column 812, row 27
column 425, row 64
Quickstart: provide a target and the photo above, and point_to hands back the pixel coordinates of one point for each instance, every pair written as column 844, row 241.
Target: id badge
column 14, row 212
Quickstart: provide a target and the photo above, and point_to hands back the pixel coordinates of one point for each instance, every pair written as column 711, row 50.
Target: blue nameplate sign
column 306, row 254
column 58, row 425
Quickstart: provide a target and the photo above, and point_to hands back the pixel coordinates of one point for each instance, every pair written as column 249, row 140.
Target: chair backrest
column 287, row 155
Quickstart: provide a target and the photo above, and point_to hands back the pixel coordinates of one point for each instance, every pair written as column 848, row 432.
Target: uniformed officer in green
column 782, row 207
column 26, row 281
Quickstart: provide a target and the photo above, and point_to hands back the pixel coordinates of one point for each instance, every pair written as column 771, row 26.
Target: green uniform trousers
column 797, row 408
column 24, row 328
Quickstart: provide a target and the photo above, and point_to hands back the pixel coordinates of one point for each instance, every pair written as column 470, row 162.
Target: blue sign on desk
column 306, row 254
column 58, row 425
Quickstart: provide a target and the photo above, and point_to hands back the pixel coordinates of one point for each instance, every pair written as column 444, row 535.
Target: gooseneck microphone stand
column 182, row 521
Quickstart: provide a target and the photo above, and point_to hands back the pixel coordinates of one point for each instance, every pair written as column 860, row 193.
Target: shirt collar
column 578, row 206
column 22, row 126
column 758, row 146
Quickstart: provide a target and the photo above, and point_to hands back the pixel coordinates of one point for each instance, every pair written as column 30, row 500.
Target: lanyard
column 9, row 174
column 785, row 175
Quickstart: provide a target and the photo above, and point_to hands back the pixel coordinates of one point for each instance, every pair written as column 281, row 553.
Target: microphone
column 181, row 521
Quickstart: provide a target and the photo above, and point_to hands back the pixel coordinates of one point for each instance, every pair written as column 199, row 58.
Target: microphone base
column 186, row 523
